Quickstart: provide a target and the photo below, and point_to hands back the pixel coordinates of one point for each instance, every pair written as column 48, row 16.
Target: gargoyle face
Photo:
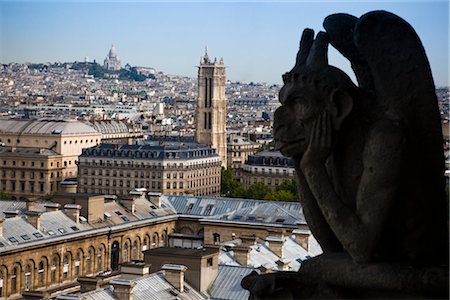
column 294, row 119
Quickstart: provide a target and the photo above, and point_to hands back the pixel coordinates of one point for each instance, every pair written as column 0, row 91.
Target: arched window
column 145, row 245
column 27, row 278
column 41, row 274
column 125, row 252
column 54, row 269
column 14, row 280
column 66, row 267
column 89, row 257
column 100, row 259
column 134, row 253
column 77, row 263
column 163, row 239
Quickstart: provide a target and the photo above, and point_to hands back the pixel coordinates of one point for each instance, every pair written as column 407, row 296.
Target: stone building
column 238, row 150
column 45, row 247
column 30, row 172
column 53, row 145
column 48, row 246
column 211, row 108
column 170, row 168
column 268, row 167
column 112, row 62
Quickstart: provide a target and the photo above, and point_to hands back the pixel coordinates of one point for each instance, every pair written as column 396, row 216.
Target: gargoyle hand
column 320, row 142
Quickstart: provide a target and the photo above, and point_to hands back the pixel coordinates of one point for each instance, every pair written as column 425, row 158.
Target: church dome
column 112, row 51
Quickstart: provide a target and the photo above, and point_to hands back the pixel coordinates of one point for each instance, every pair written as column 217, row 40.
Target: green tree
column 257, row 191
column 289, row 185
column 230, row 186
column 281, row 195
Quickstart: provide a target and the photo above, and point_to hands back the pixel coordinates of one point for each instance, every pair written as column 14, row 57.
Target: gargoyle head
column 311, row 87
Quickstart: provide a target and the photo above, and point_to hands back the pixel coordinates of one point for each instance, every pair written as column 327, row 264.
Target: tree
column 230, row 187
column 289, row 185
column 257, row 191
column 281, row 195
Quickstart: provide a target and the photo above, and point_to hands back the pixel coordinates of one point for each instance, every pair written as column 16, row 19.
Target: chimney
column 155, row 198
column 302, row 237
column 283, row 264
column 241, row 254
column 34, row 218
column 135, row 267
column 73, row 211
column 276, row 244
column 248, row 240
column 88, row 284
column 69, row 187
column 129, row 204
column 11, row 213
column 264, row 270
column 52, row 207
column 123, row 289
column 175, row 275
column 31, row 205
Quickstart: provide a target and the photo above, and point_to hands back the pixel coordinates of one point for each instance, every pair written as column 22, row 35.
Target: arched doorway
column 115, row 256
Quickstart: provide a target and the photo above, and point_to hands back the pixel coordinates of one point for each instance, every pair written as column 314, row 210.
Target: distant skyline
column 257, row 40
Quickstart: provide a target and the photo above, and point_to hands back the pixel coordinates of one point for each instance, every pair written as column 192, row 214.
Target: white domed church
column 112, row 62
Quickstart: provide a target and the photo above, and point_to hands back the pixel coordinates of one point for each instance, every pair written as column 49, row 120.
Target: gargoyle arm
column 359, row 231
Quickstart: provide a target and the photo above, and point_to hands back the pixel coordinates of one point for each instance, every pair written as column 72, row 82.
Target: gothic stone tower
column 212, row 106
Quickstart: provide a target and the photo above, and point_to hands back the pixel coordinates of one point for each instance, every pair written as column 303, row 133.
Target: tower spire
column 206, row 57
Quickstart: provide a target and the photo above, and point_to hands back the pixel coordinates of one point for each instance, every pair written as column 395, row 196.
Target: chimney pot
column 123, row 289
column 11, row 213
column 175, row 275
column 242, row 254
column 52, row 206
column 34, row 218
column 155, row 198
column 73, row 211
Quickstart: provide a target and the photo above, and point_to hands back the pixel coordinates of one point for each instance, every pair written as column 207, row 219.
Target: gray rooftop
column 44, row 126
column 228, row 283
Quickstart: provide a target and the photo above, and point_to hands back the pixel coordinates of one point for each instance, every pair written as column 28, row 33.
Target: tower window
column 206, row 92
column 210, row 92
column 205, row 119
column 209, row 120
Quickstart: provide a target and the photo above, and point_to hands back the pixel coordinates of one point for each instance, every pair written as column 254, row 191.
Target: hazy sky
column 258, row 40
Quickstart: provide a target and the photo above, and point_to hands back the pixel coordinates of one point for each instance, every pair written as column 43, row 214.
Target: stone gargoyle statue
column 370, row 165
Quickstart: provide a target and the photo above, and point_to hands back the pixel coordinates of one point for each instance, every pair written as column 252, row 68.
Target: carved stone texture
column 369, row 161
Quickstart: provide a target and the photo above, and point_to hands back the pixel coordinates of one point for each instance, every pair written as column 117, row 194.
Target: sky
column 258, row 40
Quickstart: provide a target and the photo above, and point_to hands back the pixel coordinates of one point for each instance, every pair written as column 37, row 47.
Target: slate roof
column 44, row 126
column 151, row 151
column 148, row 287
column 17, row 230
column 264, row 213
column 261, row 255
column 209, row 206
column 228, row 283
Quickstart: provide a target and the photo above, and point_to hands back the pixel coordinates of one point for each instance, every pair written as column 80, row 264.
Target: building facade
column 30, row 172
column 211, row 108
column 45, row 247
column 173, row 168
column 37, row 154
column 238, row 150
column 112, row 62
column 268, row 167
